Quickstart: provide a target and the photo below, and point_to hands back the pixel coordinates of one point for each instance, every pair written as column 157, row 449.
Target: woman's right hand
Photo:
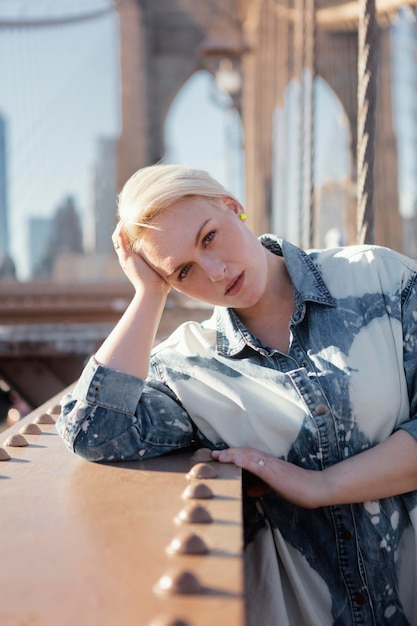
column 137, row 269
column 129, row 344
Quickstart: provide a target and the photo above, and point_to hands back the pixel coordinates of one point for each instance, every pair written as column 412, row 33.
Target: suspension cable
column 299, row 53
column 311, row 65
column 367, row 55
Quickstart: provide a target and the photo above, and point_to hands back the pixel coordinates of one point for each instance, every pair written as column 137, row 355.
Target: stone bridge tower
column 163, row 42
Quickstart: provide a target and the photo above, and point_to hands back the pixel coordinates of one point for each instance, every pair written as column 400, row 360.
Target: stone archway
column 161, row 42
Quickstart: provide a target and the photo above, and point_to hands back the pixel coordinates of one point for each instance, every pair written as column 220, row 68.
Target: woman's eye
column 209, row 237
column 183, row 273
column 185, row 270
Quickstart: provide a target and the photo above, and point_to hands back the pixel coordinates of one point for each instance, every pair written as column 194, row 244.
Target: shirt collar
column 233, row 337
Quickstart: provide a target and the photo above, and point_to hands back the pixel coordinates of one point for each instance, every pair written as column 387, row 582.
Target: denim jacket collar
column 232, row 335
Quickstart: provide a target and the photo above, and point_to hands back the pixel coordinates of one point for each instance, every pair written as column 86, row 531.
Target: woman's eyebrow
column 198, row 235
column 197, row 239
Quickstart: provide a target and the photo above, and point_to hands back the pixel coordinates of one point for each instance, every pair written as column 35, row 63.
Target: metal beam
column 86, row 543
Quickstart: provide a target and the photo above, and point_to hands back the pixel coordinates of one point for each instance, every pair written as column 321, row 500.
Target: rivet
column 4, row 455
column 30, row 429
column 16, row 441
column 44, row 418
column 321, row 409
column 201, row 470
column 202, row 455
column 195, row 514
column 181, row 582
column 197, row 491
column 189, row 543
column 54, row 410
column 166, row 620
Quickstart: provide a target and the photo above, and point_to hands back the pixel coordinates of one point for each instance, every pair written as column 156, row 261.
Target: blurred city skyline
column 59, row 96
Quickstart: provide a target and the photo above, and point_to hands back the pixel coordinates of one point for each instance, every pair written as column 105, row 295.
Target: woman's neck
column 269, row 319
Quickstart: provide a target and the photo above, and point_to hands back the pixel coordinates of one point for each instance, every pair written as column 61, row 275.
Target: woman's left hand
column 295, row 484
column 387, row 469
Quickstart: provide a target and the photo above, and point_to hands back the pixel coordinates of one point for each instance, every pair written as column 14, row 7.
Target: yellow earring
column 242, row 216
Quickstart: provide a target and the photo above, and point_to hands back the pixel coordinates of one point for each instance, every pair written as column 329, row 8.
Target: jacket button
column 346, row 534
column 321, row 409
column 361, row 598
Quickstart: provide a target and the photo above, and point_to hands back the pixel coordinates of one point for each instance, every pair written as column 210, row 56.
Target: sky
column 60, row 93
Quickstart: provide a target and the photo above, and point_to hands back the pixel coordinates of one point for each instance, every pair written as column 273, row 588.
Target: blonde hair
column 153, row 189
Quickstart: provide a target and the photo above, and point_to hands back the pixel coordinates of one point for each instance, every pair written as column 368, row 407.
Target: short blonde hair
column 153, row 189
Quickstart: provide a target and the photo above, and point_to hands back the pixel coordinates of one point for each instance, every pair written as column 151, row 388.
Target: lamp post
column 229, row 79
column 223, row 59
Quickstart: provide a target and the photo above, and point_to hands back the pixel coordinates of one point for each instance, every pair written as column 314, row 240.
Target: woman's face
column 208, row 253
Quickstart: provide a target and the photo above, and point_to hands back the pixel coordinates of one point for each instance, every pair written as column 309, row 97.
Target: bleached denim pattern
column 348, row 382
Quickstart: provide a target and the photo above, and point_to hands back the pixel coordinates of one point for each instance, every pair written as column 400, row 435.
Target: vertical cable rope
column 367, row 55
column 311, row 64
column 306, row 124
column 300, row 74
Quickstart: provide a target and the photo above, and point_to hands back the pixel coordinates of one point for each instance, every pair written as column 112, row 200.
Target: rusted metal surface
column 87, row 544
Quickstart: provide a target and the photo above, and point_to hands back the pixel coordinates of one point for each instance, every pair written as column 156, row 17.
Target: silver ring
column 116, row 244
column 261, row 462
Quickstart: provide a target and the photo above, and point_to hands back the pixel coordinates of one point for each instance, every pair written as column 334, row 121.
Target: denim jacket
column 348, row 382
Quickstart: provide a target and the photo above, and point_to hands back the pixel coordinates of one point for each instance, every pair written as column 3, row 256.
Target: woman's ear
column 233, row 204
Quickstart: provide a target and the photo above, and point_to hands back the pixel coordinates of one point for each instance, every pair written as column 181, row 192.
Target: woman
column 305, row 376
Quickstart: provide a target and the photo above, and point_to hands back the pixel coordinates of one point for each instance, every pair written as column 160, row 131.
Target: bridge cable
column 299, row 52
column 311, row 65
column 367, row 61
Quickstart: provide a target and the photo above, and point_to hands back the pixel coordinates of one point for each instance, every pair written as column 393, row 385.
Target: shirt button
column 346, row 534
column 361, row 598
column 321, row 409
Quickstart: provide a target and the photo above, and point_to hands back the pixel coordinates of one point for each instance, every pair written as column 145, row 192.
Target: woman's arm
column 113, row 414
column 388, row 469
column 128, row 346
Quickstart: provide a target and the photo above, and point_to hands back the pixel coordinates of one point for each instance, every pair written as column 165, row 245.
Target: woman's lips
column 235, row 286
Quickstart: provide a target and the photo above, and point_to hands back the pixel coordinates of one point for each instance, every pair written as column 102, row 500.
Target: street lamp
column 223, row 60
column 228, row 78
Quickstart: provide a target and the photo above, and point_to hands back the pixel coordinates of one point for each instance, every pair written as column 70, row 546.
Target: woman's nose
column 215, row 269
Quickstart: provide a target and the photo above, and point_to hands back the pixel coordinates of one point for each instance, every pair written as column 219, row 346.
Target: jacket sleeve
column 409, row 324
column 112, row 416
